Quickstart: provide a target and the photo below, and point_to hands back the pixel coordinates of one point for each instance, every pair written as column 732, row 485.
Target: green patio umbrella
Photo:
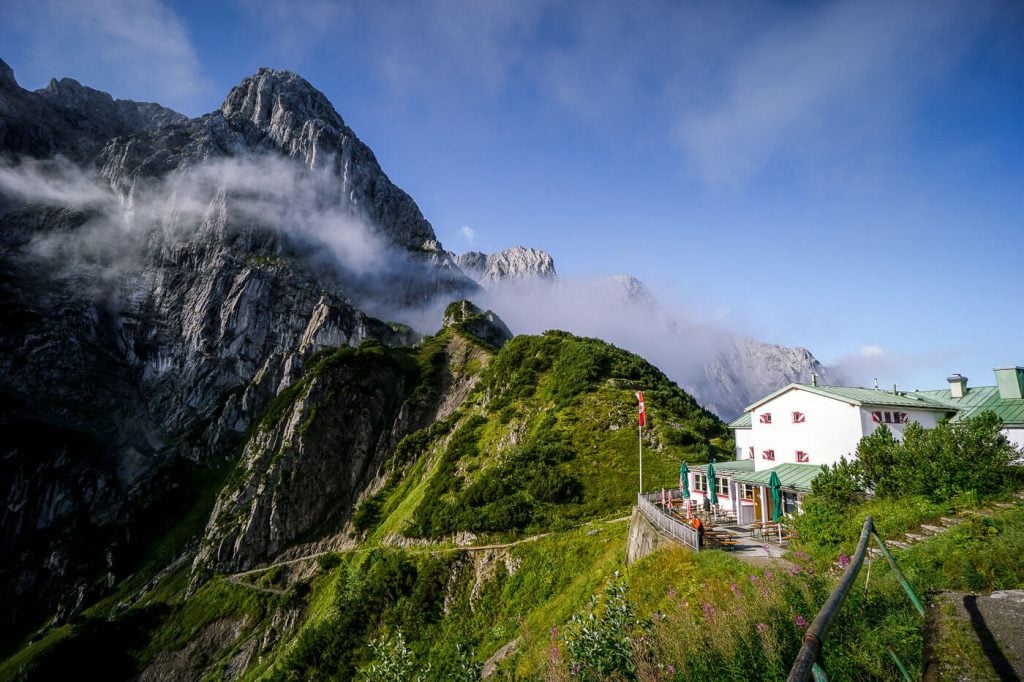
column 684, row 483
column 776, row 486
column 712, row 495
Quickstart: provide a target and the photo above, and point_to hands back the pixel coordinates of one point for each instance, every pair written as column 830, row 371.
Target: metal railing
column 682, row 532
column 806, row 663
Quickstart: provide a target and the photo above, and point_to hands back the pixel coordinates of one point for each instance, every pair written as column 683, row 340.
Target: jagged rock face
column 510, row 265
column 329, row 443
column 302, row 475
column 68, row 118
column 745, row 370
column 210, row 312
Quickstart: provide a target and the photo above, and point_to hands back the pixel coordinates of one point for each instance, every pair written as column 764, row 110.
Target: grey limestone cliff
column 155, row 318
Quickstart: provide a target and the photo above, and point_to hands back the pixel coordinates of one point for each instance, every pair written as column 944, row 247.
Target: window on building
column 766, row 417
column 802, row 456
column 700, row 482
column 722, row 486
column 876, row 417
column 746, row 491
column 767, row 454
column 799, row 418
column 889, row 417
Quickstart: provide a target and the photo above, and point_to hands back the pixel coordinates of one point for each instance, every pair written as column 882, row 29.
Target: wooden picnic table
column 769, row 529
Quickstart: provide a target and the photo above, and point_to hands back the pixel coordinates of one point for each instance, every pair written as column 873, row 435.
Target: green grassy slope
column 547, row 439
column 541, row 438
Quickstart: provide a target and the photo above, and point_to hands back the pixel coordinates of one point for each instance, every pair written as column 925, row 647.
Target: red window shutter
column 798, row 417
column 802, row 456
column 766, row 418
column 876, row 417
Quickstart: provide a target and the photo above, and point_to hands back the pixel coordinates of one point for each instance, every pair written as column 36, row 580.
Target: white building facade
column 807, row 424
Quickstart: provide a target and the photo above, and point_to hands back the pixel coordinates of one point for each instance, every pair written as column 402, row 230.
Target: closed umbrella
column 684, row 480
column 712, row 495
column 776, row 487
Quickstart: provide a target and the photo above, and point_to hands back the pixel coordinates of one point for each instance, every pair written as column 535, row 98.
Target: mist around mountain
column 216, row 356
column 723, row 370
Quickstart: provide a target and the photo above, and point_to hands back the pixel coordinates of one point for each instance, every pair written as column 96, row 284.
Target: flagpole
column 642, row 419
column 640, row 440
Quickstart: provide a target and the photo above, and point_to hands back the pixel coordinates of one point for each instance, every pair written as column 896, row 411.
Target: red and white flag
column 643, row 415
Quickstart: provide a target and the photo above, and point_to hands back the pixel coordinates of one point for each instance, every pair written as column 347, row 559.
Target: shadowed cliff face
column 162, row 279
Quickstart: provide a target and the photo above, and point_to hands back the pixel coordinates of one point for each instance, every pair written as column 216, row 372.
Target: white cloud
column 467, row 233
column 871, row 351
column 737, row 89
column 134, row 49
column 118, row 233
column 822, row 82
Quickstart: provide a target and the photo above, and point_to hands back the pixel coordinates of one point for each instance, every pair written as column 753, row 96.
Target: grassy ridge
column 546, row 440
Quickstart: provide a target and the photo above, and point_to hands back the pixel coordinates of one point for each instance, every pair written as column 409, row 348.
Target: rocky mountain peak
column 485, row 325
column 515, row 264
column 270, row 99
column 633, row 291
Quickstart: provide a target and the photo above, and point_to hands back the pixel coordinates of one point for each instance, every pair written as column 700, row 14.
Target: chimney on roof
column 814, row 378
column 876, row 383
column 1011, row 382
column 957, row 385
column 894, row 392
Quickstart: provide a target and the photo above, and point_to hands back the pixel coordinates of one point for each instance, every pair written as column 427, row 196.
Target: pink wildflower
column 709, row 610
column 762, row 628
column 844, row 561
column 735, row 590
column 800, row 621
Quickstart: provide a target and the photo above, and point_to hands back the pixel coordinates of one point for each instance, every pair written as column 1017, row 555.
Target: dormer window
column 799, row 418
column 766, row 417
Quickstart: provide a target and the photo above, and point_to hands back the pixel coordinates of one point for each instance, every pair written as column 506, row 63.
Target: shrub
column 833, row 494
column 601, row 644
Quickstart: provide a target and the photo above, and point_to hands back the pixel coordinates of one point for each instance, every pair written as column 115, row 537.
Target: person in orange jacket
column 698, row 526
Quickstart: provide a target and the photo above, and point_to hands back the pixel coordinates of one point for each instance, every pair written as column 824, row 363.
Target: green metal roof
column 863, row 397
column 977, row 400
column 727, row 466
column 741, row 422
column 792, row 476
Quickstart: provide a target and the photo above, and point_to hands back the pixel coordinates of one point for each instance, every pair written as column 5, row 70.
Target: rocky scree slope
column 150, row 321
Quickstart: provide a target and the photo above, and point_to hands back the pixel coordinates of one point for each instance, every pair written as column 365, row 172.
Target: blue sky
column 844, row 176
